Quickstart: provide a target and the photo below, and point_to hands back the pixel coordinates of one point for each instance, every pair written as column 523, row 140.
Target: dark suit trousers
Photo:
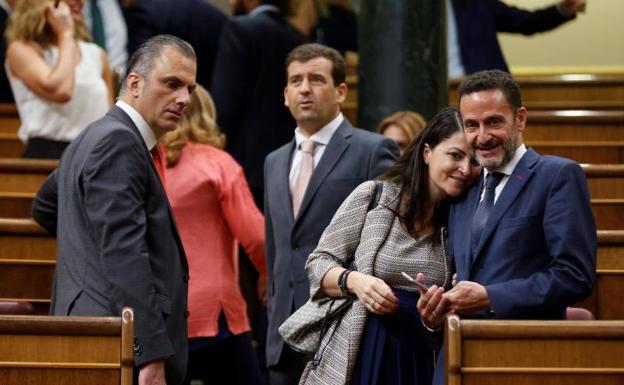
column 289, row 369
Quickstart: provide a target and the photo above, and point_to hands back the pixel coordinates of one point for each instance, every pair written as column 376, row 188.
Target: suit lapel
column 121, row 115
column 518, row 179
column 338, row 144
column 281, row 195
column 461, row 237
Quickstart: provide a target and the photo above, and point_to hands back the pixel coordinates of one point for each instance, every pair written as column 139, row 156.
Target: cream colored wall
column 594, row 41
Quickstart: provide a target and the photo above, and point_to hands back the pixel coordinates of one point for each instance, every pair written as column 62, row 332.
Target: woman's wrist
column 65, row 37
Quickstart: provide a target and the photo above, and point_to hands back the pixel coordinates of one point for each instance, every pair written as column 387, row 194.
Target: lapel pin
column 519, row 177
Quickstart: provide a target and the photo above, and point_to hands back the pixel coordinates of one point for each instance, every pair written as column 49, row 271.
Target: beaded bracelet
column 342, row 282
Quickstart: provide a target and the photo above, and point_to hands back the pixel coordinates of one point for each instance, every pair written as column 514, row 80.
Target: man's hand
column 571, row 7
column 431, row 305
column 153, row 373
column 467, row 297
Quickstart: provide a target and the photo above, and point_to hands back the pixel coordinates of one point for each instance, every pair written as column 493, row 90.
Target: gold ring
column 372, row 302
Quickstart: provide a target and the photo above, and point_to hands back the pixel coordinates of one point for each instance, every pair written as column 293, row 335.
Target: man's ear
column 341, row 92
column 134, row 83
column 521, row 118
column 286, row 96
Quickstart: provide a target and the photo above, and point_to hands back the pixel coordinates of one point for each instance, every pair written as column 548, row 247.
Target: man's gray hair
column 143, row 59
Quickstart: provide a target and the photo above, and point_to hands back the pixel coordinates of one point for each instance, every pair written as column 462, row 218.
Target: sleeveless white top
column 42, row 118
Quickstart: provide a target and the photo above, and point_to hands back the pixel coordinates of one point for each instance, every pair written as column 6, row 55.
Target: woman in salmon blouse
column 214, row 211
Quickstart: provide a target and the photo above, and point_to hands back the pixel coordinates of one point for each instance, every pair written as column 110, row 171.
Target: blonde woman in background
column 60, row 81
column 214, row 210
column 402, row 127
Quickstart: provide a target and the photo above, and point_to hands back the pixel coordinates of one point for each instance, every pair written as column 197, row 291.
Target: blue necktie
column 484, row 208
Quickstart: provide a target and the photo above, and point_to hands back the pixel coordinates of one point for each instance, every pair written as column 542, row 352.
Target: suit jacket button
column 186, row 278
column 186, row 313
column 290, row 284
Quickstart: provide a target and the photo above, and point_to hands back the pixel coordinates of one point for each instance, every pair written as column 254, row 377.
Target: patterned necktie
column 306, row 166
column 484, row 208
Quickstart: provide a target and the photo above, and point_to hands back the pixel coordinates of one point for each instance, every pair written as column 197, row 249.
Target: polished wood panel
column 10, row 145
column 582, row 151
column 574, row 125
column 15, row 204
column 533, row 352
column 570, row 91
column 24, row 175
column 609, row 213
column 27, row 262
column 9, row 118
column 545, row 92
column 605, row 181
column 66, row 350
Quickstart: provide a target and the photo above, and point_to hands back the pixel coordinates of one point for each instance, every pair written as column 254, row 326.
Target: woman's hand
column 374, row 293
column 431, row 305
column 60, row 19
column 262, row 289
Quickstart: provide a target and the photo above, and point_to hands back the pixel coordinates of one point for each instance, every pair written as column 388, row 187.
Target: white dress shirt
column 146, row 131
column 321, row 137
column 507, row 170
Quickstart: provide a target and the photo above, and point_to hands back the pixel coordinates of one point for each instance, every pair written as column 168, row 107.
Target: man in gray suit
column 117, row 241
column 306, row 180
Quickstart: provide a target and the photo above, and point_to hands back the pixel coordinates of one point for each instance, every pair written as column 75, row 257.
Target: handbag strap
column 324, row 326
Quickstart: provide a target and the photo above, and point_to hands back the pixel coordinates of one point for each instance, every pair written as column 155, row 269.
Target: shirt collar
column 144, row 129
column 264, row 8
column 322, row 136
column 511, row 165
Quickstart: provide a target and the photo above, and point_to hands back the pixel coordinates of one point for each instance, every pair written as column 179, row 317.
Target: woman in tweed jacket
column 380, row 338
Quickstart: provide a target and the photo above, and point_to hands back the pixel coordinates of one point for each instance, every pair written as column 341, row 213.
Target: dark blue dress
column 393, row 348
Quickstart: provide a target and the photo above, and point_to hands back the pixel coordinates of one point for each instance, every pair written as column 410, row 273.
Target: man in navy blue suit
column 532, row 252
column 473, row 24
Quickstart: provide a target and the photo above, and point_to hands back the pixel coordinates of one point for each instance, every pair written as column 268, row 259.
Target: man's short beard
column 509, row 150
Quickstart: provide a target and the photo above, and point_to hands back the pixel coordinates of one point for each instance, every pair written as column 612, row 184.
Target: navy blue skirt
column 393, row 349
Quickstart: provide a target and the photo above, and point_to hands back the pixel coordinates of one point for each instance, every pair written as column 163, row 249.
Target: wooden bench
column 575, row 125
column 488, row 352
column 569, row 91
column 608, row 295
column 15, row 204
column 24, row 175
column 9, row 118
column 605, row 181
column 27, row 261
column 10, row 145
column 597, row 152
column 42, row 350
column 541, row 92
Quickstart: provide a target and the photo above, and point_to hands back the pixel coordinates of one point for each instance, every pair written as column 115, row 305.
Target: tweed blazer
column 354, row 232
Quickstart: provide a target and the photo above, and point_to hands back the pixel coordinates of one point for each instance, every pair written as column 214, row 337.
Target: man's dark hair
column 493, row 80
column 143, row 59
column 306, row 52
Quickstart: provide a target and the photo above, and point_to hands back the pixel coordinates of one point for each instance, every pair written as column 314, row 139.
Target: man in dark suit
column 195, row 21
column 306, row 181
column 523, row 237
column 474, row 45
column 117, row 241
column 248, row 83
